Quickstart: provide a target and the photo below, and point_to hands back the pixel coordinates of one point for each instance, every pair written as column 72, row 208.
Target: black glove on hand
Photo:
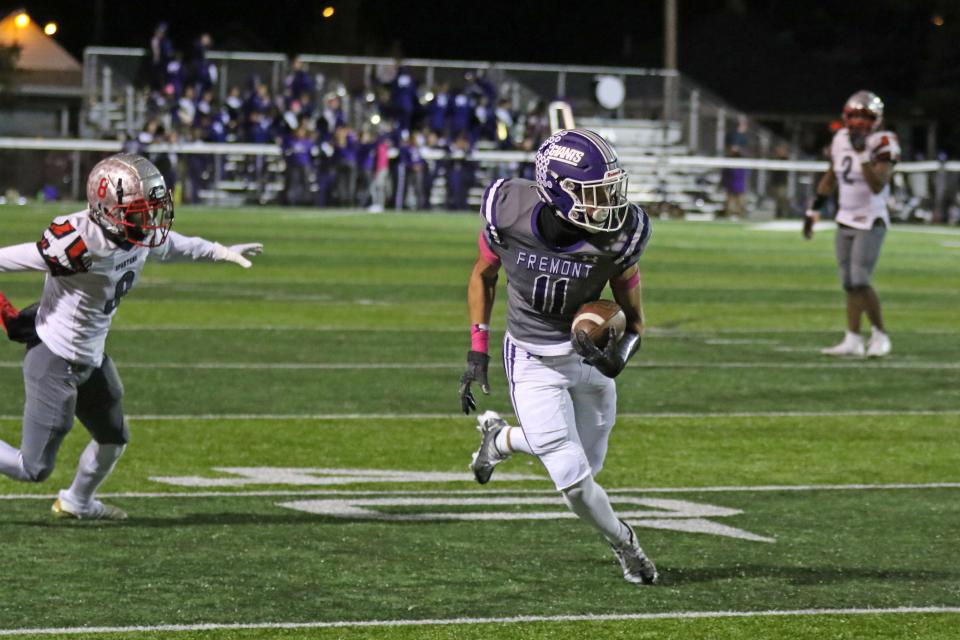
column 609, row 361
column 477, row 363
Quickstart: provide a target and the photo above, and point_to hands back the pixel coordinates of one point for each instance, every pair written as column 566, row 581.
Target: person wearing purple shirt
column 403, row 97
column 438, row 110
column 299, row 151
column 298, row 81
column 461, row 113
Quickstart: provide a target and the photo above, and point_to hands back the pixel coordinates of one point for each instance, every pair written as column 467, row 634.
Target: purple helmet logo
column 578, row 173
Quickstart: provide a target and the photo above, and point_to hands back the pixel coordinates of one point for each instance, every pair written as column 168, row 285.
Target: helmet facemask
column 598, row 205
column 143, row 222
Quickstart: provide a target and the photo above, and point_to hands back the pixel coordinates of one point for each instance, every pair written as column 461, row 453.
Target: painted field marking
column 651, row 331
column 858, row 363
column 491, row 492
column 610, row 617
column 460, row 417
column 673, row 515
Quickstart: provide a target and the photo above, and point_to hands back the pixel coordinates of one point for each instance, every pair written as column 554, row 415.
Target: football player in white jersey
column 862, row 157
column 92, row 259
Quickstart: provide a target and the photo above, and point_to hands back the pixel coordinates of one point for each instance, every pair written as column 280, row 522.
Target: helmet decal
column 579, row 174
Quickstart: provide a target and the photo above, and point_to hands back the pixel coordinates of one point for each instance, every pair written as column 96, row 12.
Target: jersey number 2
column 124, row 284
column 549, row 297
column 847, row 167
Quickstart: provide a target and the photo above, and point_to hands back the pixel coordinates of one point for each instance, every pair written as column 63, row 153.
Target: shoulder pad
column 64, row 249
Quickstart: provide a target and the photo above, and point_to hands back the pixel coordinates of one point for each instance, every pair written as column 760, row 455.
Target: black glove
column 477, row 363
column 858, row 140
column 609, row 362
column 23, row 328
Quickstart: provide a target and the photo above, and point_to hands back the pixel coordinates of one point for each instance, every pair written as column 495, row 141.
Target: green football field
column 298, row 468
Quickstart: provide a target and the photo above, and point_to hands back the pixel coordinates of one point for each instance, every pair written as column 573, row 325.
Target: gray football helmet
column 129, row 199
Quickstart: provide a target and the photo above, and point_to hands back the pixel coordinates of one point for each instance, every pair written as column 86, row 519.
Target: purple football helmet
column 578, row 173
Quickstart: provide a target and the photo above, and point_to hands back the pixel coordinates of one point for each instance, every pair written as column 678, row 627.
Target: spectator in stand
column 186, row 111
column 460, row 173
column 173, row 80
column 403, row 98
column 411, row 173
column 203, row 72
column 504, row 122
column 161, row 52
column 345, row 156
column 438, row 110
column 484, row 121
column 461, row 115
column 379, row 177
column 234, row 104
column 331, row 118
column 735, row 179
column 298, row 81
column 299, row 152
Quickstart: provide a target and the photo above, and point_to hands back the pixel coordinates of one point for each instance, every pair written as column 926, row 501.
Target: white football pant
column 566, row 409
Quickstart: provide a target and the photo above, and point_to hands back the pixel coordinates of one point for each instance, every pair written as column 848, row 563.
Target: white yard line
column 611, row 617
column 858, row 363
column 651, row 331
column 186, row 417
column 495, row 492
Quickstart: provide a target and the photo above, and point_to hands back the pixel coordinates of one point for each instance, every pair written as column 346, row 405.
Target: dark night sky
column 762, row 55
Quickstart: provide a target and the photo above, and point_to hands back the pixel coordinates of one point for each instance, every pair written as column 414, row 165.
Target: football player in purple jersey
column 561, row 240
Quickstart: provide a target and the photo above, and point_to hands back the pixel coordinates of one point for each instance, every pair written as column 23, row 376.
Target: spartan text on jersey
column 552, row 265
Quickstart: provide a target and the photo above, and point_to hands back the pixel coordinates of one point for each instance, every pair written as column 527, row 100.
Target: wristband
column 480, row 338
column 819, row 202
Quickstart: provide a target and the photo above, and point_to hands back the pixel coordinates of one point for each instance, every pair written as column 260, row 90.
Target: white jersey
column 859, row 206
column 88, row 276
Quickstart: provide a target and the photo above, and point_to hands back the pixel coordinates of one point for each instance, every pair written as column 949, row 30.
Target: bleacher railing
column 72, row 159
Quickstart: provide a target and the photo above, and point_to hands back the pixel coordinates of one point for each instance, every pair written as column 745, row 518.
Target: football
column 597, row 318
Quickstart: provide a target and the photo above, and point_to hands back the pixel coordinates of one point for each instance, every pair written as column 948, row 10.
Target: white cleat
column 852, row 346
column 489, row 424
column 64, row 508
column 637, row 568
column 879, row 345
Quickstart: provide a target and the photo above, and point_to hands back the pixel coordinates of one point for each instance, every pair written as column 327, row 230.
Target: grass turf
column 736, row 316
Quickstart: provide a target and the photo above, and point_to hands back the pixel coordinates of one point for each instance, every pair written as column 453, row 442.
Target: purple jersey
column 547, row 284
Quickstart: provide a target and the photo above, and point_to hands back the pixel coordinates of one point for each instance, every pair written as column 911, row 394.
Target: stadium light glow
column 22, row 20
column 328, row 12
column 937, row 20
column 375, row 119
column 50, row 28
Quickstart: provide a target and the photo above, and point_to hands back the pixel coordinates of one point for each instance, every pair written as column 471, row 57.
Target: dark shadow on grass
column 801, row 576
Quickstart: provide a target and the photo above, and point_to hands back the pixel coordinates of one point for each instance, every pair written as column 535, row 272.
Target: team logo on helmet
column 129, row 199
column 579, row 174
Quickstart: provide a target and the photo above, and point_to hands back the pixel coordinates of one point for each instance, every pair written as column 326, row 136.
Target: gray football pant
column 857, row 253
column 55, row 390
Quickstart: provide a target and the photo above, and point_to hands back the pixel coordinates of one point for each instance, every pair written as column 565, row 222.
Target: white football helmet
column 863, row 111
column 129, row 199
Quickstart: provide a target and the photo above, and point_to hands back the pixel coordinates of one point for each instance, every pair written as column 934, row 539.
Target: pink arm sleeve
column 486, row 252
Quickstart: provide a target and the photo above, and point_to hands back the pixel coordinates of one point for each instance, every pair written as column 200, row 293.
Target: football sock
column 11, row 463
column 96, row 462
column 511, row 440
column 589, row 501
